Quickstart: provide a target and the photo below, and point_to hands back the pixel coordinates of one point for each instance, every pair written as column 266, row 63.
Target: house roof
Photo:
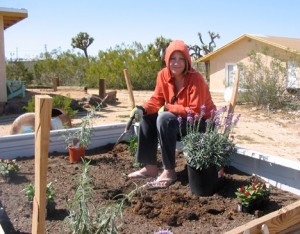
column 285, row 43
column 12, row 16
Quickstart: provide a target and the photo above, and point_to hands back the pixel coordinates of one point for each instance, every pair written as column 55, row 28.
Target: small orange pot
column 76, row 153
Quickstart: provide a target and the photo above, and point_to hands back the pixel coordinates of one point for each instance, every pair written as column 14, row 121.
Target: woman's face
column 177, row 63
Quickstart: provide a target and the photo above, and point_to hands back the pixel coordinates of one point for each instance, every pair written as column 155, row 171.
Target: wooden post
column 102, row 91
column 43, row 109
column 129, row 87
column 54, row 82
column 234, row 92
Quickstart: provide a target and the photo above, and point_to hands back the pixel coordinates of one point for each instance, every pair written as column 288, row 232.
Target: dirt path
column 274, row 133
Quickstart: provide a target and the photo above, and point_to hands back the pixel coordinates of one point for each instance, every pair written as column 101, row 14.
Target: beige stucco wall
column 235, row 53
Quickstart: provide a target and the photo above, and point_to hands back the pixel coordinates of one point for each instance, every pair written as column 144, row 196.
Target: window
column 293, row 75
column 230, row 69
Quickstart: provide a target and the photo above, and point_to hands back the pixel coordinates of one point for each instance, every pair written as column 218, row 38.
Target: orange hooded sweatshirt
column 192, row 96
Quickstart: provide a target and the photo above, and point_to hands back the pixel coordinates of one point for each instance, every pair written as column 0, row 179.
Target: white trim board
column 279, row 172
column 22, row 145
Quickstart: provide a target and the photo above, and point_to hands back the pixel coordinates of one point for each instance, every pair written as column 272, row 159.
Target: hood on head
column 180, row 46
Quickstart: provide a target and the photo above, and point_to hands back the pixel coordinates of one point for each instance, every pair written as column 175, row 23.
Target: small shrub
column 61, row 102
column 264, row 82
column 133, row 143
column 29, row 192
column 8, row 166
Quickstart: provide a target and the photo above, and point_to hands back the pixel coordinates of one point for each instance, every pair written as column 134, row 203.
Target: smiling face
column 177, row 64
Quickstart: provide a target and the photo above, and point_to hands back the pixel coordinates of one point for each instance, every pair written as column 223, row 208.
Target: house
column 8, row 17
column 222, row 62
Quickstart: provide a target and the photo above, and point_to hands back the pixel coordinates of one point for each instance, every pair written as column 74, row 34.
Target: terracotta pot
column 76, row 154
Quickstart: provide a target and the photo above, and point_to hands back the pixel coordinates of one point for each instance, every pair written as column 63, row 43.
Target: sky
column 52, row 24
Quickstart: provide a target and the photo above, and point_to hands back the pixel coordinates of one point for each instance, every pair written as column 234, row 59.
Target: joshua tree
column 196, row 50
column 82, row 41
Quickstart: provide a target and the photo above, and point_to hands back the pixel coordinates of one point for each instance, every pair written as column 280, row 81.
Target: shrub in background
column 61, row 102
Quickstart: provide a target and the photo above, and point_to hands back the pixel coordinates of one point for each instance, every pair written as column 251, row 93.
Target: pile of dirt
column 150, row 210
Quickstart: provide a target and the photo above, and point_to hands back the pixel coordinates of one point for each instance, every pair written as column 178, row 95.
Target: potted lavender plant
column 207, row 152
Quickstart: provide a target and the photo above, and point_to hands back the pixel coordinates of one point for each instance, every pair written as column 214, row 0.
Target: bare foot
column 166, row 178
column 146, row 172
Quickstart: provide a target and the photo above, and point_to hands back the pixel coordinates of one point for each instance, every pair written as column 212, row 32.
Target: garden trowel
column 128, row 125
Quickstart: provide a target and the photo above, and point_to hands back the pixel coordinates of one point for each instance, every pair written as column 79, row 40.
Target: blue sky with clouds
column 51, row 24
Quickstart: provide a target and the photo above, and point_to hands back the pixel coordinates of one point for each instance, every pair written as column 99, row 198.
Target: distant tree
column 19, row 70
column 82, row 41
column 195, row 50
column 160, row 45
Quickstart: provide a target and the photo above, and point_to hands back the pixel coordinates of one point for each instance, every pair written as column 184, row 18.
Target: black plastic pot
column 203, row 182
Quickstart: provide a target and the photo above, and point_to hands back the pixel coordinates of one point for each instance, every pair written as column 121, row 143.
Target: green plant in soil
column 85, row 217
column 254, row 191
column 50, row 194
column 82, row 136
column 133, row 143
column 8, row 166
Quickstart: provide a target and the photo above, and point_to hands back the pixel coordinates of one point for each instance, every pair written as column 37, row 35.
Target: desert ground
column 269, row 132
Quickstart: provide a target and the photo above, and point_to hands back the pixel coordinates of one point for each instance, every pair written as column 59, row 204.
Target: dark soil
column 174, row 208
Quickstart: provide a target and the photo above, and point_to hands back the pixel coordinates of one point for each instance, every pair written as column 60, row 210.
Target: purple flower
column 197, row 117
column 190, row 120
column 228, row 148
column 203, row 109
column 237, row 119
column 179, row 119
column 223, row 109
column 217, row 122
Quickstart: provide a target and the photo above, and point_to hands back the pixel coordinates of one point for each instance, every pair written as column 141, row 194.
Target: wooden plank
column 43, row 109
column 277, row 221
column 129, row 87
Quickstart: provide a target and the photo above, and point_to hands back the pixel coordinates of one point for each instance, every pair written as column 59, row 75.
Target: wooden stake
column 102, row 89
column 43, row 109
column 129, row 87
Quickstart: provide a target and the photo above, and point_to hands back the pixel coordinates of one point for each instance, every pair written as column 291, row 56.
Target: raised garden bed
column 174, row 208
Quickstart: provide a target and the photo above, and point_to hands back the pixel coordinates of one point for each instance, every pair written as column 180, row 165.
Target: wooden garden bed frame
column 284, row 220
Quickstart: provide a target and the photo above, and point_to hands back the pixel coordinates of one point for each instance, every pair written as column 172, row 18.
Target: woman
column 179, row 89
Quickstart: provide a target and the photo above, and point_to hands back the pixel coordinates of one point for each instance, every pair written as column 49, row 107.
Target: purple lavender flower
column 203, row 109
column 179, row 119
column 190, row 120
column 228, row 148
column 217, row 122
column 197, row 117
column 236, row 119
column 223, row 109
